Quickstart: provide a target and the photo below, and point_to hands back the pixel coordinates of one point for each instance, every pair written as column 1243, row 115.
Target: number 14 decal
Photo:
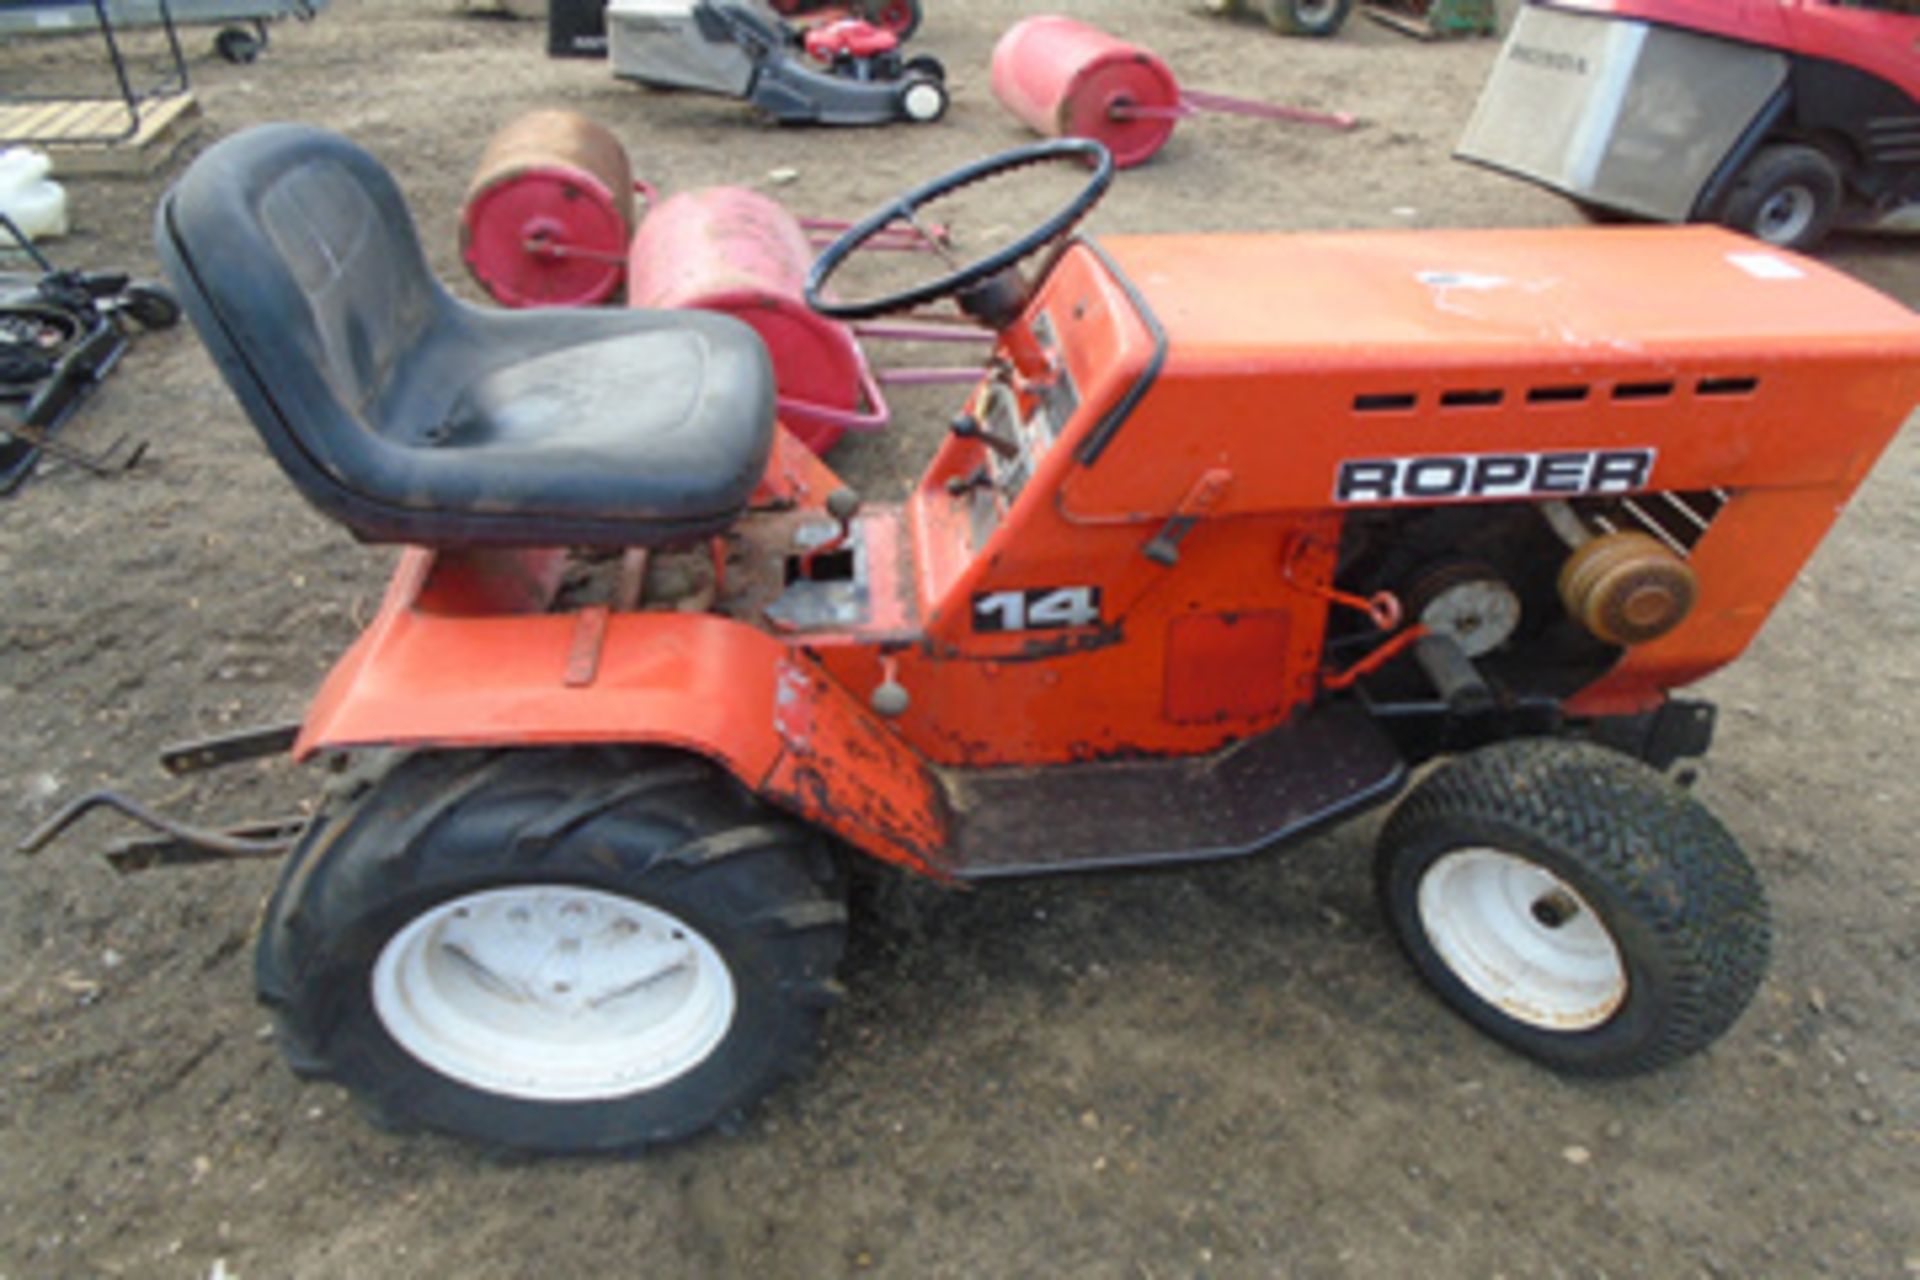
column 1043, row 609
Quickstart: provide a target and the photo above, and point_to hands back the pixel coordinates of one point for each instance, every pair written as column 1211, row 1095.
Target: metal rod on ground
column 1193, row 101
column 102, row 465
column 219, row 842
column 25, row 241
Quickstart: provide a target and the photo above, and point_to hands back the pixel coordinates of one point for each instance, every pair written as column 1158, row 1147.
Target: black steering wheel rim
column 1054, row 228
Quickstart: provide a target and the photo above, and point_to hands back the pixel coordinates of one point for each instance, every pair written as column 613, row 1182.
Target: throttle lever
column 968, row 427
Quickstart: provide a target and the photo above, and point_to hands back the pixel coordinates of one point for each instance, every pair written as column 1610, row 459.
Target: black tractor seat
column 410, row 416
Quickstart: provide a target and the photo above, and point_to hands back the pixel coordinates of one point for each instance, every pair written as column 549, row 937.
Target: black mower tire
column 1670, row 887
column 925, row 66
column 413, row 843
column 901, row 17
column 151, row 306
column 1789, row 195
column 1601, row 215
column 238, row 45
column 1315, row 18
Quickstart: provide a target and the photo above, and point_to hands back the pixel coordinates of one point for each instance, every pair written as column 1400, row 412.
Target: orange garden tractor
column 1236, row 532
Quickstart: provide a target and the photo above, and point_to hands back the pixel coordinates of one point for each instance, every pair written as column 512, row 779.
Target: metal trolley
column 242, row 23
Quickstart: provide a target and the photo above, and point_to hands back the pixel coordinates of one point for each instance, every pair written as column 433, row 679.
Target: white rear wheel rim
column 923, row 102
column 554, row 993
column 1522, row 939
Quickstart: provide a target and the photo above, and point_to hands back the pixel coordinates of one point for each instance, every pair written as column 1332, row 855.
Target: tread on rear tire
column 655, row 848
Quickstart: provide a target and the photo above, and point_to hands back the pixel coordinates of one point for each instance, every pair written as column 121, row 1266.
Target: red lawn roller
column 549, row 221
column 1064, row 78
column 549, row 213
column 734, row 250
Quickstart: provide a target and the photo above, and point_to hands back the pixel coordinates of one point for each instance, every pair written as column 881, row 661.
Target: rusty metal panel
column 843, row 769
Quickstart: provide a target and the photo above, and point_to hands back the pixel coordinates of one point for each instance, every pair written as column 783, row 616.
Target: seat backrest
column 297, row 260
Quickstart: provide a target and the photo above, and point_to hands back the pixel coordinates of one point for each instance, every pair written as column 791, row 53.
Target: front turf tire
column 561, row 951
column 1574, row 905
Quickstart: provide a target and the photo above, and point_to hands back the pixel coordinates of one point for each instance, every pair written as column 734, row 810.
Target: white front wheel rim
column 1522, row 939
column 554, row 993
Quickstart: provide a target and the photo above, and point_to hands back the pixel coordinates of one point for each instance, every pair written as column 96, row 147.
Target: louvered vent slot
column 1677, row 519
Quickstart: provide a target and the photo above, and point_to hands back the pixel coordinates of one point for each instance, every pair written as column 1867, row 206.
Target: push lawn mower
column 1779, row 119
column 848, row 72
column 1237, row 530
column 61, row 333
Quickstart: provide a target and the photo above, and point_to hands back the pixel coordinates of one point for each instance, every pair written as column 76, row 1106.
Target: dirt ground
column 1225, row 1071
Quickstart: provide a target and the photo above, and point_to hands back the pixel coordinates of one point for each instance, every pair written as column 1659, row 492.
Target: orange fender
column 443, row 666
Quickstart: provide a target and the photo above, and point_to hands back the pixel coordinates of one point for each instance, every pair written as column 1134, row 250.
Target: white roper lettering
column 1461, row 477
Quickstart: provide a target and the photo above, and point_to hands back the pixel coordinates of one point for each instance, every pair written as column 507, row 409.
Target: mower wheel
column 901, row 17
column 1788, row 196
column 151, row 306
column 238, row 45
column 564, row 951
column 1601, row 215
column 1574, row 905
column 927, row 66
column 923, row 100
column 1307, row 17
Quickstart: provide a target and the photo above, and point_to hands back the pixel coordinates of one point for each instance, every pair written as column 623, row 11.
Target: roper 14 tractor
column 1236, row 531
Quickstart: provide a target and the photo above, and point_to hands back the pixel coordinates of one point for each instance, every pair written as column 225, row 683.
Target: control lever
column 843, row 505
column 981, row 477
column 968, row 427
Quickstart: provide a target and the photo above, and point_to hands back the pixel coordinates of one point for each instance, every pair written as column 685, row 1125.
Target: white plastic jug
column 36, row 203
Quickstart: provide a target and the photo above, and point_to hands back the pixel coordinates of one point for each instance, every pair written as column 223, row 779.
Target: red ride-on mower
column 1236, row 532
column 1779, row 118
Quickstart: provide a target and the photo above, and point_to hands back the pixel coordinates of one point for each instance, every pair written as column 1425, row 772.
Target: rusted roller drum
column 1627, row 588
column 550, row 213
column 1066, row 79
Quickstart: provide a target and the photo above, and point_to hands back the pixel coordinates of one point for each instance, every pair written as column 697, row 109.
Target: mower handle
column 981, row 269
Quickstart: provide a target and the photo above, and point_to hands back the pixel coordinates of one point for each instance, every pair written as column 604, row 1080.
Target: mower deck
column 1323, row 765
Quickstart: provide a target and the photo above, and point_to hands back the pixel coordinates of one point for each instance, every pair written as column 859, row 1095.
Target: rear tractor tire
column 1788, row 196
column 561, row 951
column 1574, row 905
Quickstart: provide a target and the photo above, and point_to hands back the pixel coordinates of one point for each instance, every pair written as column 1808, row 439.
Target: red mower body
column 1876, row 41
column 849, row 38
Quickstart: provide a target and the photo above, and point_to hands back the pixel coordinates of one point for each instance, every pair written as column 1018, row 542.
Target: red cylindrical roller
column 736, row 251
column 1064, row 78
column 549, row 213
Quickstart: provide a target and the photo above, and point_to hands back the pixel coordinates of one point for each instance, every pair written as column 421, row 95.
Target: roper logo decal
column 1457, row 477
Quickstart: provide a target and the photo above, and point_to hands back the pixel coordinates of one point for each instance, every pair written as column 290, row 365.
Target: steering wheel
column 1083, row 150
